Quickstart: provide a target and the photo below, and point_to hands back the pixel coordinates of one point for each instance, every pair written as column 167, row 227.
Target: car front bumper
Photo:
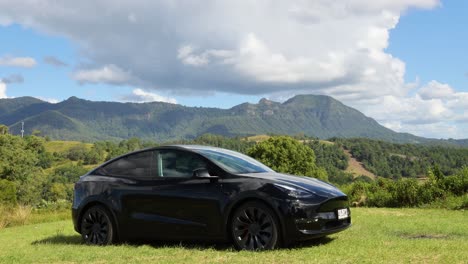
column 303, row 220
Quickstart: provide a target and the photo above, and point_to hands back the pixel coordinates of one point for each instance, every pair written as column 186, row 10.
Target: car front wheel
column 254, row 227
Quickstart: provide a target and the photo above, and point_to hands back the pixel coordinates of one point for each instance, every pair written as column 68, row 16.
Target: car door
column 133, row 177
column 160, row 198
column 183, row 206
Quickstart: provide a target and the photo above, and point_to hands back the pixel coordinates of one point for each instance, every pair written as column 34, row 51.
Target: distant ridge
column 313, row 115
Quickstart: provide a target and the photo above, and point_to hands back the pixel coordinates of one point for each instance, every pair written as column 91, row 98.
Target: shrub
column 406, row 192
column 380, row 198
column 7, row 192
column 76, row 153
column 358, row 193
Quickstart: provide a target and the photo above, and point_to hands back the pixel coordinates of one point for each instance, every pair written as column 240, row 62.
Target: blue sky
column 400, row 62
column 433, row 44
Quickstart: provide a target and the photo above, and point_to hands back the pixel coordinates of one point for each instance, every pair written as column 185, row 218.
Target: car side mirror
column 203, row 173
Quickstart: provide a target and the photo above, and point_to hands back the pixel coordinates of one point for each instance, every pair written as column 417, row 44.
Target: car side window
column 179, row 164
column 138, row 165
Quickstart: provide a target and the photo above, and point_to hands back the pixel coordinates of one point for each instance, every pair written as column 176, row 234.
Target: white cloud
column 108, row 73
column 25, row 62
column 142, row 96
column 436, row 90
column 274, row 48
column 409, row 110
column 50, row 100
column 245, row 47
column 3, row 88
column 435, row 130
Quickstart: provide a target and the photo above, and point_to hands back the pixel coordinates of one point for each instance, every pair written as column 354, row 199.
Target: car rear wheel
column 96, row 226
column 254, row 227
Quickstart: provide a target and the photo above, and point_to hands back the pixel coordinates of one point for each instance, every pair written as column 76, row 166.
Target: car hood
column 310, row 184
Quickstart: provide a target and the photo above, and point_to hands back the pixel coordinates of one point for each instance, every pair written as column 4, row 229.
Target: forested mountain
column 312, row 115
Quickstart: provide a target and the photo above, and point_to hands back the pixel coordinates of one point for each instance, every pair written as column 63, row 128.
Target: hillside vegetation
column 404, row 160
column 39, row 173
column 313, row 115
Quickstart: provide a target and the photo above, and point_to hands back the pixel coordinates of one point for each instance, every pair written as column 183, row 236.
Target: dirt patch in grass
column 426, row 236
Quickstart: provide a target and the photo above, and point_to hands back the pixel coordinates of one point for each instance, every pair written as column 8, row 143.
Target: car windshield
column 234, row 162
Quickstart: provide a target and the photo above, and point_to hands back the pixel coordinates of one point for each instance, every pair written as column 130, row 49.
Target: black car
column 203, row 193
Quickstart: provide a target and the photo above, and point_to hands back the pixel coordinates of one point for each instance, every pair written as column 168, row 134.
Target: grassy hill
column 377, row 236
column 61, row 146
column 312, row 115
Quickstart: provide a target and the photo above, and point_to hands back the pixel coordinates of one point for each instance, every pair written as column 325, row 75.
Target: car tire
column 97, row 227
column 254, row 226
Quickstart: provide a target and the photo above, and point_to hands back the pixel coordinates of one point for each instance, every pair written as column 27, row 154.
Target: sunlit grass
column 21, row 215
column 63, row 146
column 377, row 236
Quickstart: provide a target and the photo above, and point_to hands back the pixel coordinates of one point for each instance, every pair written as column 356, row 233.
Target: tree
column 284, row 154
column 77, row 152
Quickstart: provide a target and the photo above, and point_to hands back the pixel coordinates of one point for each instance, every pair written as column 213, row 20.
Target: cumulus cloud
column 274, row 48
column 411, row 110
column 245, row 47
column 436, row 90
column 107, row 74
column 25, row 62
column 51, row 60
column 142, row 96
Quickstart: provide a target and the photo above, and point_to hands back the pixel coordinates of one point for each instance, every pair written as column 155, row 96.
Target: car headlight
column 294, row 192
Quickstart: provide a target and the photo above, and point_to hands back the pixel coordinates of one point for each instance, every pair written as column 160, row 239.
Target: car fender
column 252, row 196
column 97, row 199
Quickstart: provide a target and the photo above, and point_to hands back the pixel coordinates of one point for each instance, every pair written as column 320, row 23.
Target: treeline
column 26, row 173
column 391, row 160
column 31, row 175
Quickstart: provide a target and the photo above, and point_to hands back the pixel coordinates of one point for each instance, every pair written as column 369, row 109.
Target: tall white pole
column 22, row 129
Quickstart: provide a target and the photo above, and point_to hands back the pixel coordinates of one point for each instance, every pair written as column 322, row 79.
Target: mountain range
column 313, row 115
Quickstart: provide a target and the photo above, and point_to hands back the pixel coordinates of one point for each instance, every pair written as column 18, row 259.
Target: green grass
column 63, row 146
column 377, row 236
column 23, row 215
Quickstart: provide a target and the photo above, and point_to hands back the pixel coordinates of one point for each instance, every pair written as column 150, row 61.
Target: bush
column 7, row 192
column 92, row 157
column 76, row 153
column 358, row 193
column 406, row 193
column 69, row 173
column 380, row 198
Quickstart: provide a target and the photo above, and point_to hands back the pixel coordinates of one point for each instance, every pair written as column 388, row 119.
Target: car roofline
column 191, row 148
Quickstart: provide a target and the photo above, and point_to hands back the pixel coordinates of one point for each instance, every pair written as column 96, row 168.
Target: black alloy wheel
column 96, row 227
column 254, row 227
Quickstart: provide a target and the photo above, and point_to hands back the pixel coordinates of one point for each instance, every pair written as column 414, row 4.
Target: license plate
column 343, row 213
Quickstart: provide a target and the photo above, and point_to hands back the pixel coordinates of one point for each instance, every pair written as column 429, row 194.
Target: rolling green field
column 63, row 146
column 377, row 236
